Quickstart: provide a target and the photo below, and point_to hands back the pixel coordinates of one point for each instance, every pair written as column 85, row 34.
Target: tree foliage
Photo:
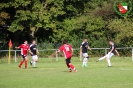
column 56, row 20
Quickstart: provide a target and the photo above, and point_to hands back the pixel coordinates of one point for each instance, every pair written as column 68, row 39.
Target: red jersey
column 24, row 49
column 66, row 48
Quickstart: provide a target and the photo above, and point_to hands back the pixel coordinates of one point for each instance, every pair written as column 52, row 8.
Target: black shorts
column 24, row 56
column 68, row 60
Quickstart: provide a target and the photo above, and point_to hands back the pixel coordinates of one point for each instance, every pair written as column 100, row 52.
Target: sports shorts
column 68, row 60
column 85, row 55
column 109, row 55
column 34, row 57
column 24, row 56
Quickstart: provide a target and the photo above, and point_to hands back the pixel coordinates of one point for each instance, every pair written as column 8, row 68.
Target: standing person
column 34, row 51
column 111, row 52
column 68, row 51
column 83, row 49
column 24, row 48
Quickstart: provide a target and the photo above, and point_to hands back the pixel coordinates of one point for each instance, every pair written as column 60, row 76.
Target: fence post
column 132, row 54
column 105, row 51
column 56, row 56
column 15, row 57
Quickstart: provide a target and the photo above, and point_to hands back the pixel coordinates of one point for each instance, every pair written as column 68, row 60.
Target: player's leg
column 108, row 59
column 26, row 62
column 31, row 62
column 85, row 60
column 35, row 59
column 71, row 65
column 101, row 58
column 67, row 63
column 21, row 62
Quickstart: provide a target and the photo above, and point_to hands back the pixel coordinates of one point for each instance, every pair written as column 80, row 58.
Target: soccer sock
column 34, row 64
column 108, row 60
column 102, row 58
column 31, row 61
column 67, row 65
column 72, row 66
column 26, row 62
column 21, row 62
column 85, row 62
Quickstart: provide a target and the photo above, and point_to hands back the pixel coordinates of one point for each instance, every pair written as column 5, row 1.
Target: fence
column 80, row 57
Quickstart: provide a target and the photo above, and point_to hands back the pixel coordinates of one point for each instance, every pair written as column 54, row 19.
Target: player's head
column 25, row 42
column 111, row 42
column 33, row 41
column 65, row 42
column 85, row 40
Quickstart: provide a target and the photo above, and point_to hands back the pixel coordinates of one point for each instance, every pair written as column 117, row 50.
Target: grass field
column 52, row 74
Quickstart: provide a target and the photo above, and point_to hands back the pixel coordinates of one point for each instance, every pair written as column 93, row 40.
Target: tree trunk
column 32, row 32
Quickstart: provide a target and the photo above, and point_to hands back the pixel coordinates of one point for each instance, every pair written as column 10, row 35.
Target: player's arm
column 37, row 50
column 89, row 48
column 112, row 49
column 72, row 51
column 17, row 47
column 58, row 51
column 29, row 49
column 30, row 52
column 117, row 52
column 80, row 49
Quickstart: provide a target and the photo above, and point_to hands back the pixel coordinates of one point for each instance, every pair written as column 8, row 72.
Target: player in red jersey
column 24, row 48
column 68, row 51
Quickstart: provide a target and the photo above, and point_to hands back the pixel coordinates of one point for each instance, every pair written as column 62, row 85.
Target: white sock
column 108, row 60
column 102, row 58
column 31, row 61
column 34, row 64
column 85, row 61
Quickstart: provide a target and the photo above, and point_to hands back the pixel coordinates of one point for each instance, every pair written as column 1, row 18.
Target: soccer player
column 24, row 48
column 83, row 50
column 111, row 52
column 68, row 51
column 34, row 51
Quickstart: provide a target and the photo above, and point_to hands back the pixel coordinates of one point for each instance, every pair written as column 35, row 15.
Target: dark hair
column 64, row 42
column 110, row 40
column 33, row 40
column 85, row 38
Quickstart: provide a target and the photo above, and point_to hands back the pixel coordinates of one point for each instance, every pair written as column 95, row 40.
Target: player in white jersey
column 111, row 52
column 83, row 49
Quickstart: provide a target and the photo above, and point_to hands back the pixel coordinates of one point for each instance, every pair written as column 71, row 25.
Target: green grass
column 52, row 74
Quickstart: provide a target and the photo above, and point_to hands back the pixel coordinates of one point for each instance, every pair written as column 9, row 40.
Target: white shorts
column 85, row 55
column 109, row 55
column 34, row 57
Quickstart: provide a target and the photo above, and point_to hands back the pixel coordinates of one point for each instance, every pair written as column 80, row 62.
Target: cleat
column 75, row 70
column 97, row 61
column 83, row 65
column 109, row 66
column 26, row 67
column 69, row 70
column 30, row 63
column 19, row 67
column 86, row 66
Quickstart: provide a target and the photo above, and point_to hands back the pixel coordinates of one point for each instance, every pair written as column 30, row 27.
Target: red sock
column 67, row 65
column 21, row 62
column 71, row 66
column 26, row 62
